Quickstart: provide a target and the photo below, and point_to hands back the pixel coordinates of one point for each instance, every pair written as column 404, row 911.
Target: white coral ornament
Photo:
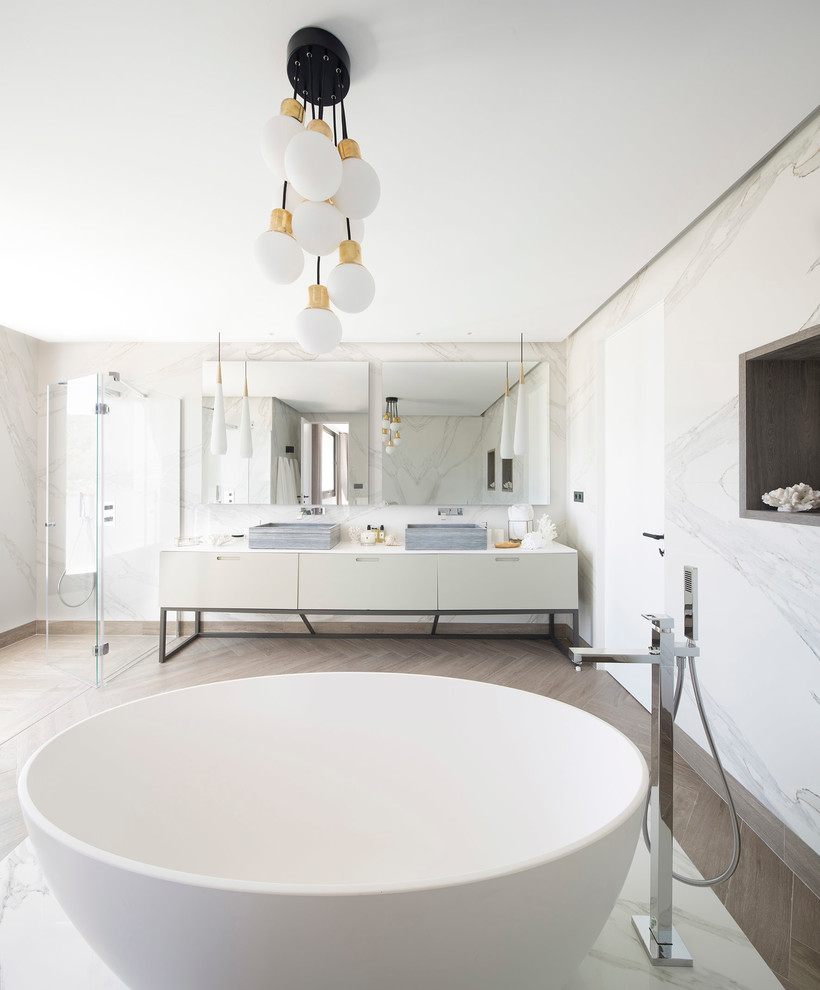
column 545, row 534
column 795, row 498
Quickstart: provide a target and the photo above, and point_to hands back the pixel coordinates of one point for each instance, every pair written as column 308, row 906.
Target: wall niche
column 780, row 423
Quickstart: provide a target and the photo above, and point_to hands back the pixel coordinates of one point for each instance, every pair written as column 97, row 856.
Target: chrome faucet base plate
column 675, row 954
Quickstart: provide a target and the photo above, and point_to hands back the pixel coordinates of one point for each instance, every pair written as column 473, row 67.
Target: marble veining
column 40, row 948
column 18, row 482
column 746, row 274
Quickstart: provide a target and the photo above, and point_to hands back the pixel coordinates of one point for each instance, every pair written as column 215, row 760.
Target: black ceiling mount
column 318, row 67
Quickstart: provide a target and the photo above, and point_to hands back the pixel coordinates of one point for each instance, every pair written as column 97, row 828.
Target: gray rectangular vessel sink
column 445, row 536
column 294, row 536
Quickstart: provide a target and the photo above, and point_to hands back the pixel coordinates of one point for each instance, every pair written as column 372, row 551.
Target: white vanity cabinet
column 361, row 580
column 367, row 581
column 508, row 580
column 223, row 580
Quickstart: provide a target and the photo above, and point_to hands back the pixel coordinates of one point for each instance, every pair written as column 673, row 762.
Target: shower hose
column 730, row 869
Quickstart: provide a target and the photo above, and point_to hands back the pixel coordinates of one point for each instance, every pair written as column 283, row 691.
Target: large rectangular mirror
column 449, row 449
column 309, row 433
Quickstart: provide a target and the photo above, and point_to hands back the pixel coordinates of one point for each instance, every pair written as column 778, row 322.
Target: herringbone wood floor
column 780, row 915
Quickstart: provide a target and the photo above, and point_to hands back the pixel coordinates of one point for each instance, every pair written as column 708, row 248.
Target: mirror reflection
column 449, row 449
column 308, row 433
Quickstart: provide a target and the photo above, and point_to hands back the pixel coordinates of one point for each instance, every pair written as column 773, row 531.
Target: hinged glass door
column 74, row 627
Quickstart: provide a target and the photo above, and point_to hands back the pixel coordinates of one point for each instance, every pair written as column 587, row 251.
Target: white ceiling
column 533, row 155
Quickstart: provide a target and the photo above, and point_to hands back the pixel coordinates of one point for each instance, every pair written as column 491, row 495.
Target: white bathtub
column 344, row 831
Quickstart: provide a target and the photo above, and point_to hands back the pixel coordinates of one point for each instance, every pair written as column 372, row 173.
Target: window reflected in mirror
column 309, row 431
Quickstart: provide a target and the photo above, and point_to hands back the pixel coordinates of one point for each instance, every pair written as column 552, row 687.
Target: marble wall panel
column 748, row 273
column 18, row 478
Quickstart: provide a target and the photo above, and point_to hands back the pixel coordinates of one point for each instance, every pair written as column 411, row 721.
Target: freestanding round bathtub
column 340, row 831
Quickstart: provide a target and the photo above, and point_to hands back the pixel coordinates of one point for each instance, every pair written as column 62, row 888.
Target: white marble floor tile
column 40, row 949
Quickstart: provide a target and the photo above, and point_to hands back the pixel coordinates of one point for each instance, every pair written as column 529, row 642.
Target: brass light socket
column 218, row 372
column 350, row 253
column 322, row 127
column 281, row 221
column 348, row 148
column 292, row 108
column 318, row 297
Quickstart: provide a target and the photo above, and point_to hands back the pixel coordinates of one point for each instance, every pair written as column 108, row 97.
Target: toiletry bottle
column 381, row 534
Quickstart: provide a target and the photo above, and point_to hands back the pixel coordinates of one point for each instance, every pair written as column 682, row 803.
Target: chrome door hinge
column 100, row 649
column 102, row 409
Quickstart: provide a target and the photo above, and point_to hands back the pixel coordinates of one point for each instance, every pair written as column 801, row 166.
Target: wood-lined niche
column 780, row 423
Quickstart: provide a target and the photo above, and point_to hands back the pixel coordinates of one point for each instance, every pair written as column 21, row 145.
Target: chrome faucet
column 317, row 510
column 450, row 511
column 656, row 931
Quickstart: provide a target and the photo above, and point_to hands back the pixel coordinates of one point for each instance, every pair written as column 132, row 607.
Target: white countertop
column 240, row 544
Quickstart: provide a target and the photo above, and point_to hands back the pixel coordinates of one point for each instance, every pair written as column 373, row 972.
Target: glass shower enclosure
column 112, row 501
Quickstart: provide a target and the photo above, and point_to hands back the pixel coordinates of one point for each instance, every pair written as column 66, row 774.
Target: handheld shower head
column 690, row 602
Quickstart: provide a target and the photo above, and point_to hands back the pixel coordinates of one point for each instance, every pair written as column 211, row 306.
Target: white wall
column 18, row 478
column 747, row 274
column 175, row 370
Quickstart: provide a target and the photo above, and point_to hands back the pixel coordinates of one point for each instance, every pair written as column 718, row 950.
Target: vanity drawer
column 508, row 580
column 228, row 579
column 367, row 581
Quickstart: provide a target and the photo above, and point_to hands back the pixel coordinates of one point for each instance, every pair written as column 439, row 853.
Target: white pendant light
column 277, row 253
column 318, row 227
column 219, row 433
column 318, row 330
column 245, row 438
column 350, row 285
column 278, row 132
column 521, row 413
column 358, row 193
column 507, row 421
column 312, row 162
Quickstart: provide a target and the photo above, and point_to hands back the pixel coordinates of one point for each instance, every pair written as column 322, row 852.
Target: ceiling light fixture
column 219, row 433
column 507, row 419
column 328, row 189
column 391, row 424
column 521, row 418
column 245, row 437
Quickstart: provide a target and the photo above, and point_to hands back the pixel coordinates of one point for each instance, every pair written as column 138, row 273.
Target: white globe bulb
column 396, row 440
column 313, row 165
column 279, row 257
column 318, row 227
column 276, row 136
column 389, row 448
column 359, row 191
column 318, row 330
column 351, row 288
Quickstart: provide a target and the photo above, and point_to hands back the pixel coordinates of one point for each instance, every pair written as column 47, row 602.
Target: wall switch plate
column 577, row 496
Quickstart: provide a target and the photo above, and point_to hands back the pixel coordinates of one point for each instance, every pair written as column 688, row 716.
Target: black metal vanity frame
column 165, row 652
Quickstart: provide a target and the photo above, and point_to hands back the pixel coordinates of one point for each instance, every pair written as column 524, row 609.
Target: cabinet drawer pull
column 367, row 560
column 501, row 560
column 222, row 556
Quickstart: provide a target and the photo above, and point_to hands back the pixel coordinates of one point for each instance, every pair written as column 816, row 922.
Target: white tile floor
column 41, row 950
